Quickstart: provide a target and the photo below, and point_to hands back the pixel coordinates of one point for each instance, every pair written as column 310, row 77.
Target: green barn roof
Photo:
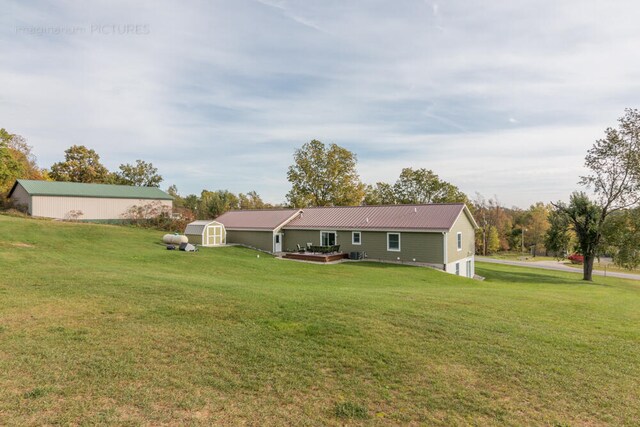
column 77, row 189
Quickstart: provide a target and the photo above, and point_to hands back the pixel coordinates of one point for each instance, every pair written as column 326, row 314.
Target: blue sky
column 497, row 97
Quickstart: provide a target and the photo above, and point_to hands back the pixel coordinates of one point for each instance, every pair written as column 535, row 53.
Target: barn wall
column 92, row 208
column 20, row 197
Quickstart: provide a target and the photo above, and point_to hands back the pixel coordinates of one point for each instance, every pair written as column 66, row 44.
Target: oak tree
column 80, row 164
column 142, row 174
column 416, row 186
column 614, row 176
column 324, row 176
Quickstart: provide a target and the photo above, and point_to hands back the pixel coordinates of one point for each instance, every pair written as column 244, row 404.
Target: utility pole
column 484, row 241
column 522, row 236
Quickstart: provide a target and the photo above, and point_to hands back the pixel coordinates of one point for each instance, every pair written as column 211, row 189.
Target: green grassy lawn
column 100, row 325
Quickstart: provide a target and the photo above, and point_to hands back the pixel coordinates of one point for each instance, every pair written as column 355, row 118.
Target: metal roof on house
column 436, row 217
column 77, row 189
column 431, row 217
column 266, row 219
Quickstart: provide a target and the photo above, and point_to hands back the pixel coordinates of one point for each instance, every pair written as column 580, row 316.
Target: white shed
column 206, row 233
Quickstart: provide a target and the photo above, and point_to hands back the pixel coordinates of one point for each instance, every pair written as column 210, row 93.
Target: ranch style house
column 438, row 235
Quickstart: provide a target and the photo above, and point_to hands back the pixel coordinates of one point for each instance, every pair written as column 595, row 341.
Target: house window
column 327, row 238
column 457, row 268
column 459, row 236
column 393, row 242
column 356, row 238
column 469, row 269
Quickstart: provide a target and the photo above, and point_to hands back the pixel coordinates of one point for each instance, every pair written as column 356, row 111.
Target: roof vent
column 415, row 210
column 367, row 220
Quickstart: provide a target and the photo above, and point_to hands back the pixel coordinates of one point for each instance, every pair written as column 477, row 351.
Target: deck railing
column 324, row 249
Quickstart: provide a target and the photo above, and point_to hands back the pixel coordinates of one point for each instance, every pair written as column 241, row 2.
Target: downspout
column 445, row 237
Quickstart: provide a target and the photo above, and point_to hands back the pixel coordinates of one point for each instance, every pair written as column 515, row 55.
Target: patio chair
column 301, row 249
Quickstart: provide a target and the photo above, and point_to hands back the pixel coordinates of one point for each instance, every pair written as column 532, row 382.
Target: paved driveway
column 554, row 265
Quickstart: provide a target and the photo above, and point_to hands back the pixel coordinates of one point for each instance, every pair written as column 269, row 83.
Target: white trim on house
column 399, row 243
column 467, row 212
column 287, row 221
column 353, row 242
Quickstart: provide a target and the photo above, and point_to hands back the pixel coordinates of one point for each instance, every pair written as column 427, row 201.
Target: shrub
column 155, row 215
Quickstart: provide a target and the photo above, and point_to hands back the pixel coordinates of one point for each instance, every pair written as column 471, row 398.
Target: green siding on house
column 463, row 224
column 262, row 240
column 424, row 247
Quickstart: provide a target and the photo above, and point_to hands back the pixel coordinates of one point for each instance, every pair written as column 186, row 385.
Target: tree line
column 80, row 164
column 608, row 222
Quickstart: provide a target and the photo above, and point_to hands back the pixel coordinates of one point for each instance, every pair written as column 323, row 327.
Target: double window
column 356, row 238
column 393, row 242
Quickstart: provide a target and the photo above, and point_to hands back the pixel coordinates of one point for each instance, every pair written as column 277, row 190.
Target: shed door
column 214, row 235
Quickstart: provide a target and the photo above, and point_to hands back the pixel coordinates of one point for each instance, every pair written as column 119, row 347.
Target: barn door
column 214, row 235
column 217, row 235
column 211, row 240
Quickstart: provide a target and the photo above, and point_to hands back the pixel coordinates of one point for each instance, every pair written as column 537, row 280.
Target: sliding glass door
column 327, row 238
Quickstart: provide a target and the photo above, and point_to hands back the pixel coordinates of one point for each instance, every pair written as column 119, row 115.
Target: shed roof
column 436, row 217
column 78, row 189
column 265, row 219
column 197, row 227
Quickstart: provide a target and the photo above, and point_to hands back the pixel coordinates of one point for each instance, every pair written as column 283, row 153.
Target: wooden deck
column 313, row 257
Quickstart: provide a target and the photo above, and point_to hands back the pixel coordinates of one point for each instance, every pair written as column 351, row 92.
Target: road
column 554, row 265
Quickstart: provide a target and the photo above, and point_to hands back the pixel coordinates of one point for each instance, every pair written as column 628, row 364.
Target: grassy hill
column 100, row 324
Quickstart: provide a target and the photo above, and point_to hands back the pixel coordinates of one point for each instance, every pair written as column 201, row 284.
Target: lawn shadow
column 378, row 265
column 529, row 277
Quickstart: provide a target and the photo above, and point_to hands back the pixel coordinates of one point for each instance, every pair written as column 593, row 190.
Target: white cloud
column 419, row 84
